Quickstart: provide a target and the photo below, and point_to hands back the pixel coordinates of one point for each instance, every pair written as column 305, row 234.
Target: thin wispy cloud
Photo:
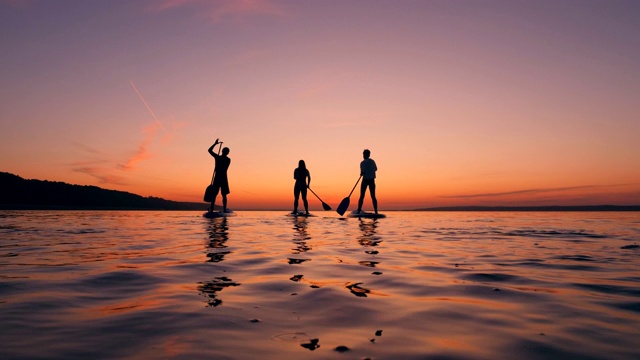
column 533, row 191
column 147, row 106
column 230, row 9
column 142, row 152
column 101, row 169
column 86, row 148
column 109, row 169
column 221, row 10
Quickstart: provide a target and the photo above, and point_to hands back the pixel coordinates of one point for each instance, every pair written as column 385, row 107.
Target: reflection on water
column 311, row 345
column 368, row 238
column 368, row 229
column 216, row 250
column 368, row 263
column 300, row 238
column 301, row 235
column 211, row 288
column 358, row 290
column 174, row 285
column 218, row 230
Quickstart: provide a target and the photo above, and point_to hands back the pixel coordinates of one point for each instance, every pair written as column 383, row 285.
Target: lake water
column 416, row 285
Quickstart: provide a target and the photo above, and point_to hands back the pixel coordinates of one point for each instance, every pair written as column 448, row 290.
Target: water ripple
column 173, row 285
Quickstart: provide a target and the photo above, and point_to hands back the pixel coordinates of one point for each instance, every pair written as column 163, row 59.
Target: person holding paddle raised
column 368, row 170
column 220, row 180
column 303, row 180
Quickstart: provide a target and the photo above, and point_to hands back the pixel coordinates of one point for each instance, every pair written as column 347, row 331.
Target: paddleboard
column 300, row 214
column 368, row 215
column 217, row 214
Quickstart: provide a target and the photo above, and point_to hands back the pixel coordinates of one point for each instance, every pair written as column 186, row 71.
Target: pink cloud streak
column 142, row 153
column 220, row 10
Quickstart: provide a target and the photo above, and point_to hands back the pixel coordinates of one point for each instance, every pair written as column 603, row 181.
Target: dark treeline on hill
column 19, row 193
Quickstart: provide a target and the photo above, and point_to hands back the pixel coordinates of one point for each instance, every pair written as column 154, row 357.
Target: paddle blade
column 326, row 206
column 208, row 194
column 344, row 205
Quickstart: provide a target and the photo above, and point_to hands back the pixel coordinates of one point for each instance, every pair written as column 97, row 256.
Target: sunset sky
column 460, row 102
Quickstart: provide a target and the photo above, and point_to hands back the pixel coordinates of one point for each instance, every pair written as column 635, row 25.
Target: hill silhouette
column 19, row 193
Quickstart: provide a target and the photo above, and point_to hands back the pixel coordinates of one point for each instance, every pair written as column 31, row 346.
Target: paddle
column 344, row 205
column 208, row 193
column 324, row 205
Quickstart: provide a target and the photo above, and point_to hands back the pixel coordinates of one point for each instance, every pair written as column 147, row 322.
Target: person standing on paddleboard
column 220, row 180
column 368, row 170
column 303, row 180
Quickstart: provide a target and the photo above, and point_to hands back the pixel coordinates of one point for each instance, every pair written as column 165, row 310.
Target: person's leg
column 372, row 192
column 363, row 190
column 213, row 202
column 304, row 200
column 224, row 189
column 296, row 196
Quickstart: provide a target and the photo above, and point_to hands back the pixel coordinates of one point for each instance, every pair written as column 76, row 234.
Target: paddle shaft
column 214, row 175
column 313, row 192
column 214, row 168
column 354, row 186
column 324, row 205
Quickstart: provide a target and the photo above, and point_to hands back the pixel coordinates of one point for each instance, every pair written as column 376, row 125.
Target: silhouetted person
column 368, row 170
column 303, row 180
column 220, row 180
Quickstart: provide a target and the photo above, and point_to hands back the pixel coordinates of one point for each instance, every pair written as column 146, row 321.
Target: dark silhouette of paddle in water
column 344, row 204
column 220, row 182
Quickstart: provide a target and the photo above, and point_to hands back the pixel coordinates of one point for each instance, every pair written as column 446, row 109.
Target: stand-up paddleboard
column 300, row 214
column 217, row 214
column 364, row 214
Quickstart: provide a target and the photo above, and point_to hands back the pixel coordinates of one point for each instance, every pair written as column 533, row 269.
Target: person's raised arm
column 211, row 149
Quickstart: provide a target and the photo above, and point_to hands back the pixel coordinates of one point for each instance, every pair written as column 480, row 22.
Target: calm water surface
column 416, row 285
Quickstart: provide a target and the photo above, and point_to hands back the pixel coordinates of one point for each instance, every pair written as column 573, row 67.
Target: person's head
column 301, row 164
column 225, row 151
column 366, row 153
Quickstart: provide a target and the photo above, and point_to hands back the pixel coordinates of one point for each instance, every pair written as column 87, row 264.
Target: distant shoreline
column 537, row 208
column 17, row 193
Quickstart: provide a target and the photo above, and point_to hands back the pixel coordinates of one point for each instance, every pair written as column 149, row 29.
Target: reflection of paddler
column 220, row 180
column 368, row 228
column 301, row 235
column 218, row 237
